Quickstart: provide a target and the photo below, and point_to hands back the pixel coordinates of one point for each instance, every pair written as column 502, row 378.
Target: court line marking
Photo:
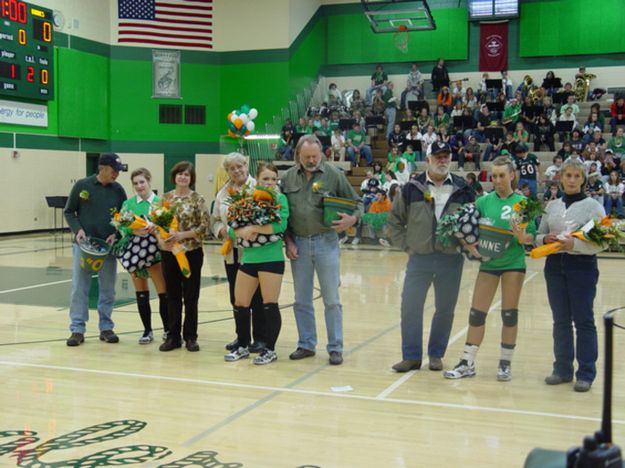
column 404, row 378
column 279, row 390
column 40, row 285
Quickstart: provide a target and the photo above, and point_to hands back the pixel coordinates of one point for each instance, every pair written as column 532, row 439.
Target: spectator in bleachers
column 357, row 103
column 439, row 76
column 565, row 151
column 378, row 171
column 335, row 97
column 288, row 124
column 596, row 108
column 456, row 111
column 414, row 135
column 441, row 117
column 552, row 192
column 379, row 81
column 369, row 188
column 402, row 173
column 577, row 144
column 527, row 165
column 609, row 165
column 544, row 133
column 303, row 126
column 469, row 128
column 591, row 158
column 570, row 104
column 334, row 121
column 590, row 126
column 484, row 120
column 595, row 188
column 621, row 171
column 381, row 204
column 469, row 101
column 443, row 98
column 414, row 85
column 396, row 138
column 427, row 139
column 617, row 113
column 390, row 108
column 394, row 158
column 392, row 190
column 357, row 146
column 507, row 84
column 520, row 134
column 617, row 143
column 458, row 92
column 378, row 105
column 424, row 120
column 285, row 145
column 494, row 146
column 324, row 127
column 443, row 134
column 511, row 114
column 567, row 90
column 482, row 91
column 597, row 139
column 409, row 117
column 338, row 145
column 553, row 172
column 357, row 116
column 549, row 110
column 471, row 180
column 410, row 157
column 550, row 91
column 509, row 144
column 614, row 189
column 567, row 116
column 528, row 115
column 470, row 152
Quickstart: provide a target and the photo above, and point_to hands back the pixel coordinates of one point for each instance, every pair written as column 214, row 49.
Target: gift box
column 493, row 241
column 334, row 205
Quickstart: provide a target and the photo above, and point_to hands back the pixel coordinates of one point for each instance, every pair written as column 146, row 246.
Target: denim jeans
column 616, row 203
column 318, row 253
column 571, row 288
column 531, row 183
column 445, row 272
column 390, row 113
column 79, row 299
column 364, row 151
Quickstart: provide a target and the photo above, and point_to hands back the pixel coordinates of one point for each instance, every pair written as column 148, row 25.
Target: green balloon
column 245, row 108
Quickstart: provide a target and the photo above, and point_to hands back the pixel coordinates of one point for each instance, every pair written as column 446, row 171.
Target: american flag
column 175, row 23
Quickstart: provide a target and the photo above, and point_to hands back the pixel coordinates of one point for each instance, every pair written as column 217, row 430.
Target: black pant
column 179, row 288
column 476, row 160
column 544, row 139
column 258, row 316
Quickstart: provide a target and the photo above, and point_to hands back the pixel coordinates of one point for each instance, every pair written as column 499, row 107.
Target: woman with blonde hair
column 508, row 269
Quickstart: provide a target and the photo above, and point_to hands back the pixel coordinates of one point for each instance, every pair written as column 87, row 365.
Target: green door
column 170, row 160
column 92, row 163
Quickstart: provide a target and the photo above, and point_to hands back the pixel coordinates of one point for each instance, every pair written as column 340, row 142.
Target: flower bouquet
column 603, row 233
column 258, row 207
column 136, row 253
column 164, row 218
column 526, row 211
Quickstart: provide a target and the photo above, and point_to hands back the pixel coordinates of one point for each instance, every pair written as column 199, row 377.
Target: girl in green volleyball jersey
column 508, row 269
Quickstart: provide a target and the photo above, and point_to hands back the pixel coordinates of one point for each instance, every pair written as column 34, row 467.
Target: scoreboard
column 26, row 51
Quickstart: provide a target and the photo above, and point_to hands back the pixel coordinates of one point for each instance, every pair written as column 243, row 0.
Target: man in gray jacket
column 412, row 226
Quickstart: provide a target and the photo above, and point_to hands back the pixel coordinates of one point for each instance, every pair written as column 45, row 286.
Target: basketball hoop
column 400, row 38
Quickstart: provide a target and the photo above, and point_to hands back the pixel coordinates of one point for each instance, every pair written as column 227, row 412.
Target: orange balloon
column 247, row 133
column 229, row 116
column 238, row 123
column 231, row 134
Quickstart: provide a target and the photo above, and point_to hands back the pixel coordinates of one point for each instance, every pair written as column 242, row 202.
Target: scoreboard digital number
column 26, row 50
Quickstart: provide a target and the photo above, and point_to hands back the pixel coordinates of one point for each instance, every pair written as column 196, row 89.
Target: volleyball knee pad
column 477, row 318
column 510, row 317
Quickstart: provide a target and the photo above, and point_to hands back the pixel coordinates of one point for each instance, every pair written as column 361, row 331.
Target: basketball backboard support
column 388, row 16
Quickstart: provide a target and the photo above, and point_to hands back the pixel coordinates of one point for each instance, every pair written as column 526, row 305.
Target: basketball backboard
column 388, row 16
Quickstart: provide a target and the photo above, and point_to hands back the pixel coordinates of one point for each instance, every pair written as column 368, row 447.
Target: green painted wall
column 583, row 27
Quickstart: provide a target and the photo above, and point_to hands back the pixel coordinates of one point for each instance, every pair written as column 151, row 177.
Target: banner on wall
column 166, row 74
column 21, row 113
column 494, row 46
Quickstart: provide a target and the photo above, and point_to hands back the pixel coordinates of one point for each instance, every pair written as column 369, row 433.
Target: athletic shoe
column 109, row 336
column 462, row 369
column 266, row 357
column 256, row 347
column 76, row 339
column 237, row 354
column 343, row 240
column 384, row 243
column 232, row 345
column 504, row 373
column 582, row 386
column 147, row 338
column 356, row 241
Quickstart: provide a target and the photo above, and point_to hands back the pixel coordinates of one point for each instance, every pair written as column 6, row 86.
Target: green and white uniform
column 499, row 212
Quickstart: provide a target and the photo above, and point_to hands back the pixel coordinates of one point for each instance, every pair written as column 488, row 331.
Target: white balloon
column 253, row 113
column 244, row 118
column 233, row 118
column 250, row 126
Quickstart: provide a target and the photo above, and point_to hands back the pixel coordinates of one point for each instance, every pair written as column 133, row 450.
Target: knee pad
column 510, row 317
column 477, row 318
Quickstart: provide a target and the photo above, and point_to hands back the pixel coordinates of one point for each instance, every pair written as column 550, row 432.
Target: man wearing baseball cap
column 88, row 214
column 416, row 211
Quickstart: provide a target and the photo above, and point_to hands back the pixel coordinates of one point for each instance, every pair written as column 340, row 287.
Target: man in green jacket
column 88, row 214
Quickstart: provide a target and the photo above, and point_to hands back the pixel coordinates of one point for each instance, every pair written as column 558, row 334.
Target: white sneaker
column 266, row 357
column 462, row 369
column 384, row 243
column 146, row 339
column 237, row 354
column 356, row 241
column 504, row 373
column 343, row 239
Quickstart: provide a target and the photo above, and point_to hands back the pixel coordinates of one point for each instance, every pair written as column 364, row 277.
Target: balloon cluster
column 241, row 122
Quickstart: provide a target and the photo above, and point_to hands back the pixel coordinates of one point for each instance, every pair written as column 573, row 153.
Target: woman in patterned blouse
column 193, row 223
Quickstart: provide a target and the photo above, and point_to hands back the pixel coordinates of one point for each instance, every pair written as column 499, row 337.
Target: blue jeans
column 531, row 183
column 318, row 253
column 390, row 113
column 79, row 299
column 613, row 203
column 364, row 151
column 571, row 288
column 445, row 271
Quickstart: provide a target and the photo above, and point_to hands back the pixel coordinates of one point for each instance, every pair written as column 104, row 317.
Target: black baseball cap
column 439, row 147
column 113, row 160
